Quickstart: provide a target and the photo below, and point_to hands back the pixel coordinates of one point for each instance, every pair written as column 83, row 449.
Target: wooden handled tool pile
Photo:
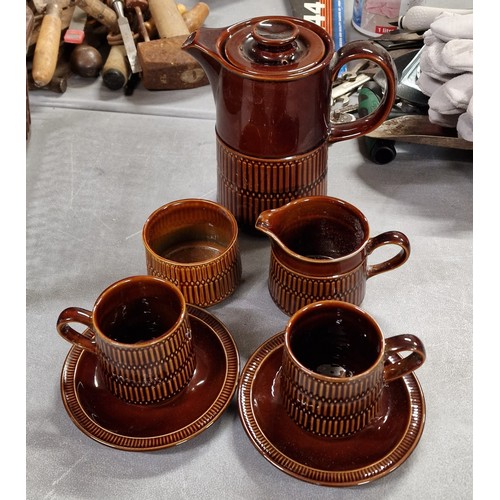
column 121, row 41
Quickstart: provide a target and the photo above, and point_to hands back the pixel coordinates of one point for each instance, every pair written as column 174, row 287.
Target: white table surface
column 98, row 163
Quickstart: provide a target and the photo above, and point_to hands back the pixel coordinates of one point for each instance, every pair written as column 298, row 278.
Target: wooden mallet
column 165, row 66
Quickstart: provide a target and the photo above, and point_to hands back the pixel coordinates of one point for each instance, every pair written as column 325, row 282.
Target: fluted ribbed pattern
column 292, row 290
column 247, row 186
column 87, row 417
column 203, row 284
column 149, row 374
column 282, row 455
column 330, row 408
column 209, row 269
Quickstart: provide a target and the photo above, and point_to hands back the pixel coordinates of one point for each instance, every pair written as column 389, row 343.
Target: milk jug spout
column 275, row 224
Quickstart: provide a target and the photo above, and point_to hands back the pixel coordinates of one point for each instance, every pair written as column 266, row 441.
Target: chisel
column 127, row 36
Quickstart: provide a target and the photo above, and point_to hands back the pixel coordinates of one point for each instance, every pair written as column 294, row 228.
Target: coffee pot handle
column 388, row 238
column 365, row 49
column 76, row 315
column 400, row 343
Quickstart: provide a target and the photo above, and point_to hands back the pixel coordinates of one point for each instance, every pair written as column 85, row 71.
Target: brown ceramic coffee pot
column 271, row 79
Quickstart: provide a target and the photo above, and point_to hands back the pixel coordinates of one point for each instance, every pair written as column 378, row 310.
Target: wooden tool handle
column 167, row 18
column 195, row 17
column 115, row 72
column 100, row 12
column 47, row 45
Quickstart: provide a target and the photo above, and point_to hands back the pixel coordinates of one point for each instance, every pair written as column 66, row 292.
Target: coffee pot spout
column 202, row 44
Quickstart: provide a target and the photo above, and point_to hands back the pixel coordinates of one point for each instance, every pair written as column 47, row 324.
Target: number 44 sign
column 329, row 14
column 317, row 13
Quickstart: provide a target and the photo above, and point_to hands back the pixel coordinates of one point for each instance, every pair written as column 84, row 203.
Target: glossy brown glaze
column 242, row 181
column 273, row 108
column 334, row 367
column 141, row 339
column 271, row 79
column 117, row 424
column 319, row 251
column 193, row 243
column 366, row 456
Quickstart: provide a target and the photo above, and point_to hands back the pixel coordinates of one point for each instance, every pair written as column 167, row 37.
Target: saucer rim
column 185, row 432
column 391, row 460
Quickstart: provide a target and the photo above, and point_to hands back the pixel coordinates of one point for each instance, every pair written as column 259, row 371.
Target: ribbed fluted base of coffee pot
column 248, row 185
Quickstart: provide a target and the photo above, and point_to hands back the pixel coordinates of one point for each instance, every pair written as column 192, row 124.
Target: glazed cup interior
column 190, row 231
column 138, row 310
column 324, row 229
column 334, row 340
column 193, row 243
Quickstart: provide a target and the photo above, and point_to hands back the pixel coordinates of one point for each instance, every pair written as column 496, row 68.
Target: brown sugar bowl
column 193, row 243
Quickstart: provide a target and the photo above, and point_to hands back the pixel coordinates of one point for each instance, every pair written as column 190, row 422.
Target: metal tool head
column 396, row 40
column 165, row 66
column 127, row 36
column 407, row 66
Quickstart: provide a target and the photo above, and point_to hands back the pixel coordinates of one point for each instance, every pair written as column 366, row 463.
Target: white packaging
column 378, row 17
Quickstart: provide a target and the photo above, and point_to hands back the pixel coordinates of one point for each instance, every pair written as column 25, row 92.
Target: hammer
column 115, row 72
column 47, row 44
column 165, row 66
column 59, row 81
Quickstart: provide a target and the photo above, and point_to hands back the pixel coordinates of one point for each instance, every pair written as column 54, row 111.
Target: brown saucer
column 110, row 421
column 368, row 455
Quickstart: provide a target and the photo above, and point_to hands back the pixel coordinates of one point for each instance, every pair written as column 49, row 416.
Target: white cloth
column 449, row 120
column 453, row 96
column 464, row 123
column 457, row 55
column 428, row 84
column 449, row 26
column 446, row 71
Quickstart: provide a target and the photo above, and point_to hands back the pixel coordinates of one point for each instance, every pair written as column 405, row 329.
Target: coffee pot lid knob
column 277, row 34
column 274, row 45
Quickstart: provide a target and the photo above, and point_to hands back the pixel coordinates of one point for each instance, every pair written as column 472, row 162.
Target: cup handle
column 399, row 343
column 388, row 238
column 76, row 315
column 365, row 49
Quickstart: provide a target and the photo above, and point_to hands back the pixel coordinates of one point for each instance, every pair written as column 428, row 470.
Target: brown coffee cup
column 319, row 251
column 193, row 243
column 335, row 364
column 140, row 332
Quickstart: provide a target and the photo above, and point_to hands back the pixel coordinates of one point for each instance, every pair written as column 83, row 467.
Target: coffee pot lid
column 274, row 46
